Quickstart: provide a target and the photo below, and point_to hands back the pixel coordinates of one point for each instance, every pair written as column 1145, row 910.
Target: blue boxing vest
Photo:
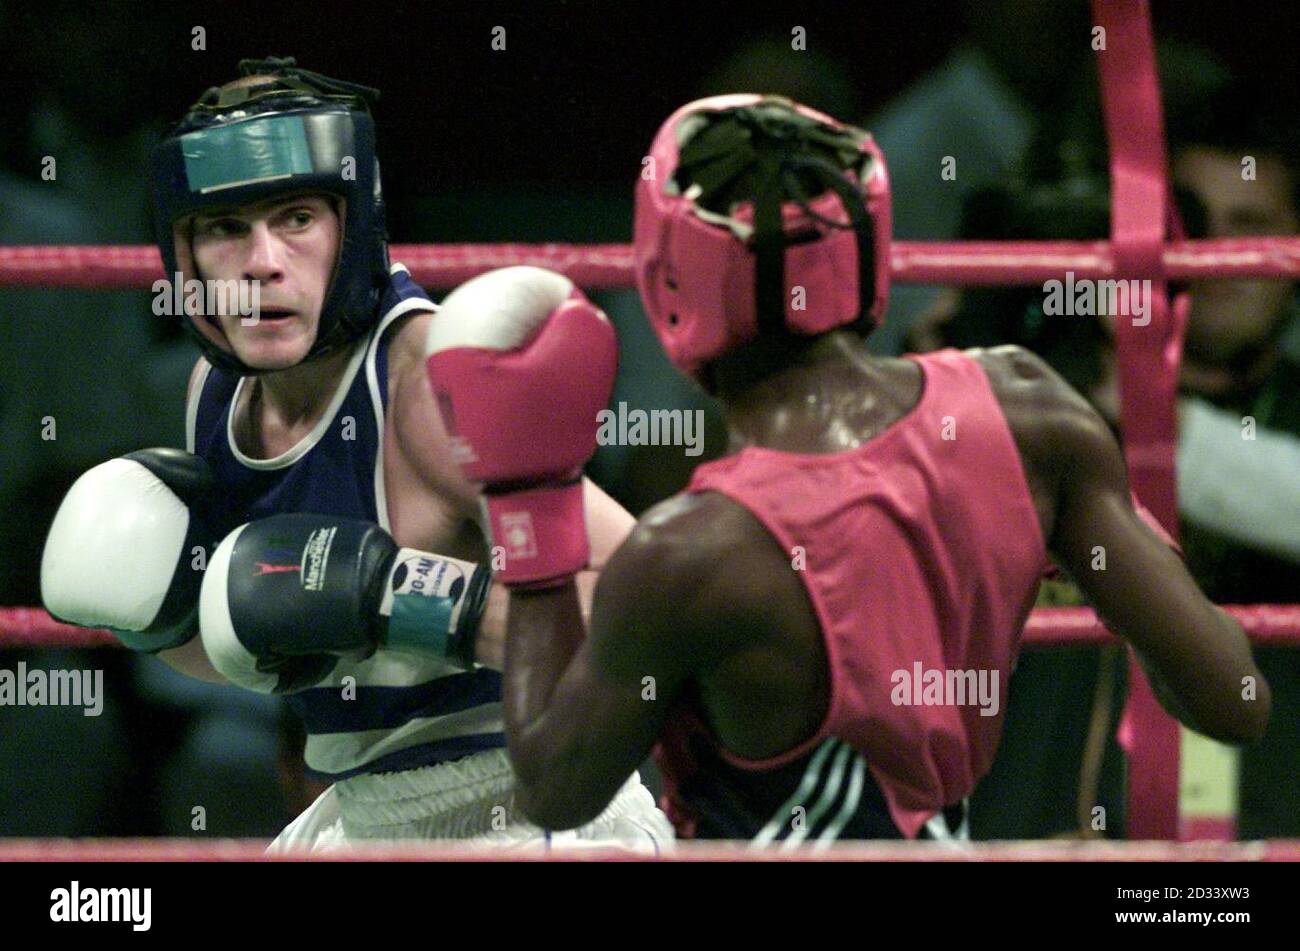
column 403, row 710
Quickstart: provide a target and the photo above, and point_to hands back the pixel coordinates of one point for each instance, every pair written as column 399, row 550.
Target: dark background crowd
column 542, row 141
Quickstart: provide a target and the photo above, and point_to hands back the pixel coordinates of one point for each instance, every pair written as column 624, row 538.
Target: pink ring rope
column 1267, row 625
column 609, row 266
column 1051, row 850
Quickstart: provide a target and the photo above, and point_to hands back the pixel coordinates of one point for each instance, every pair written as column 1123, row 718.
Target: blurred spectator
column 1021, row 85
column 1241, row 499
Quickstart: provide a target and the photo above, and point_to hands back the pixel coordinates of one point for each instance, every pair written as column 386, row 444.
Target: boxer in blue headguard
column 300, row 529
column 277, row 134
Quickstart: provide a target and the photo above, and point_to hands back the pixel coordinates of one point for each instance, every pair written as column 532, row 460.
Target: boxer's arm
column 1198, row 656
column 422, row 441
column 608, row 526
column 189, row 658
column 583, row 712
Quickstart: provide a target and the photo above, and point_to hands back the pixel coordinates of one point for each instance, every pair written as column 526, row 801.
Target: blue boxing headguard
column 296, row 132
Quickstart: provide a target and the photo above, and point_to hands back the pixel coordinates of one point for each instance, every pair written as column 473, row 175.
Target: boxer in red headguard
column 820, row 630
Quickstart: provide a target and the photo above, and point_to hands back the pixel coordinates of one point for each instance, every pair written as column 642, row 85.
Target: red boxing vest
column 921, row 553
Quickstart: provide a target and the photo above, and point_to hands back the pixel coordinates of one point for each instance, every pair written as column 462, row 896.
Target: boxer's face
column 290, row 247
column 1231, row 316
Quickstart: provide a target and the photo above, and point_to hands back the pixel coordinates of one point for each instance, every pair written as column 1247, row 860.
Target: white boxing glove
column 121, row 552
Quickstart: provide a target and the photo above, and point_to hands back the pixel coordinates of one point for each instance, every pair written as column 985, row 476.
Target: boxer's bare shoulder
column 675, row 527
column 1052, row 424
column 717, row 565
column 1033, row 395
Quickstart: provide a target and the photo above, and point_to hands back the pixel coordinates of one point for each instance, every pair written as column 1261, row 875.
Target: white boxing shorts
column 468, row 800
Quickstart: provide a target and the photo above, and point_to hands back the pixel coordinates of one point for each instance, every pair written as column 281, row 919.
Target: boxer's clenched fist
column 285, row 597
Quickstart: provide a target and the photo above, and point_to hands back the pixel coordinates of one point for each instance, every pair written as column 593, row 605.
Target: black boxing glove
column 286, row 596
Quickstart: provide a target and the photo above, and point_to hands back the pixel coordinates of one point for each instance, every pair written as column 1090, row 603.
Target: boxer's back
column 904, row 530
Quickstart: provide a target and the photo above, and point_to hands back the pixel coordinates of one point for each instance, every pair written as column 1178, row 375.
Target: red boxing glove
column 521, row 364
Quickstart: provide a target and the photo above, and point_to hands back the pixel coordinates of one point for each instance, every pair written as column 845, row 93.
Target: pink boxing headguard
column 702, row 271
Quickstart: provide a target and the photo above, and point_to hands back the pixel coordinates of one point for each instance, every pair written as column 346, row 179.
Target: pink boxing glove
column 521, row 363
